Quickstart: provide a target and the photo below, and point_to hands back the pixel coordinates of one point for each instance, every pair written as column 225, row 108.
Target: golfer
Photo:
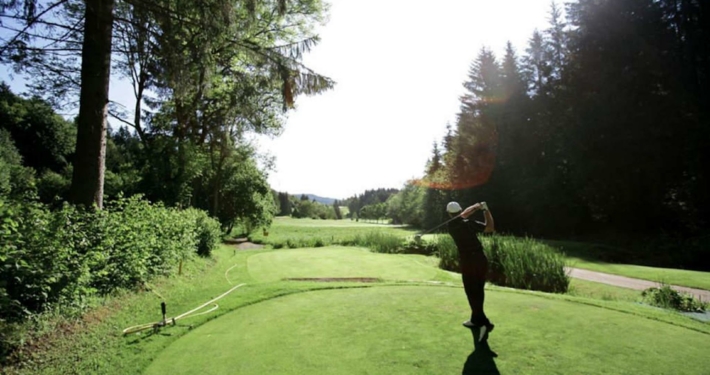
column 472, row 260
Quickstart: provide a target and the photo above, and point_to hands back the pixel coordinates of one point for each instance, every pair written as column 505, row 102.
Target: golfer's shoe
column 468, row 324
column 485, row 330
column 482, row 333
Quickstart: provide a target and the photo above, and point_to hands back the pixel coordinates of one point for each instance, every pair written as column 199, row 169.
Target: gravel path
column 243, row 244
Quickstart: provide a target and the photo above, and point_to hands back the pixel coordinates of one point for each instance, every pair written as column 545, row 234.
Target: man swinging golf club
column 472, row 260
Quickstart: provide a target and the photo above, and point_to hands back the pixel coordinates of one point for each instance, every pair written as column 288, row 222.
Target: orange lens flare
column 481, row 160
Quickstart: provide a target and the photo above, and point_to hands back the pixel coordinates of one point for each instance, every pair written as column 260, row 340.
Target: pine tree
column 556, row 42
column 476, row 141
column 435, row 163
column 536, row 66
column 336, row 208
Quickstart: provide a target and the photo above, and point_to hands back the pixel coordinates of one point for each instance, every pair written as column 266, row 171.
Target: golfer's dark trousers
column 473, row 275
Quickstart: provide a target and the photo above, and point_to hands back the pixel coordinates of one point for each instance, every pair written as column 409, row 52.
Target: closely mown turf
column 269, row 325
column 328, row 232
column 340, row 262
column 590, row 289
column 407, row 330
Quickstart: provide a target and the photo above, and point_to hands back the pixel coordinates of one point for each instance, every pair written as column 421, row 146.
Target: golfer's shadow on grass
column 480, row 361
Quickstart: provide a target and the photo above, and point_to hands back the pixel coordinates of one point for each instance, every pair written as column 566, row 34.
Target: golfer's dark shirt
column 465, row 234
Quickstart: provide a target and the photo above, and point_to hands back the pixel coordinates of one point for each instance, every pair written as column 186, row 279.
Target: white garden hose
column 143, row 327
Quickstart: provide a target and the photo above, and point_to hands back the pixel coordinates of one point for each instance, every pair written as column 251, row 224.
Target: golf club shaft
column 441, row 225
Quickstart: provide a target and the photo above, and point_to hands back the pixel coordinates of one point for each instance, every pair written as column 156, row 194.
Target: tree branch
column 52, row 39
column 31, row 23
column 118, row 117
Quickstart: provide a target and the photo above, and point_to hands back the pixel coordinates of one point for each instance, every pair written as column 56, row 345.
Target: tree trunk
column 87, row 186
column 137, row 115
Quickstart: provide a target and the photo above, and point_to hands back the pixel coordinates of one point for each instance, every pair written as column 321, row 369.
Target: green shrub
column 209, row 232
column 52, row 186
column 63, row 256
column 447, row 252
column 16, row 180
column 420, row 247
column 521, row 263
column 668, row 298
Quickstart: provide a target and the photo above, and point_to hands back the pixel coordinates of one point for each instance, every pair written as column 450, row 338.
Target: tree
column 246, row 197
column 435, row 163
column 537, row 67
column 556, row 42
column 285, row 204
column 623, row 119
column 336, row 209
column 434, row 196
column 43, row 138
column 689, row 24
column 475, row 144
column 214, row 65
column 406, row 206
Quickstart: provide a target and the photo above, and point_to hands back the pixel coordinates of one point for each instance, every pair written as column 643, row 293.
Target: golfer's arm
column 490, row 225
column 468, row 211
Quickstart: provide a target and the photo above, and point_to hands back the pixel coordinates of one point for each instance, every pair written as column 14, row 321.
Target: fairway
column 345, row 223
column 328, row 232
column 417, row 330
column 340, row 262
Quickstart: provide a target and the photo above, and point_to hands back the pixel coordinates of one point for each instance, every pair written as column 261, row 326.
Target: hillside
column 316, row 197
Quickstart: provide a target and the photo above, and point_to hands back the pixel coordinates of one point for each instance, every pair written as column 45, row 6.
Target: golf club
column 418, row 237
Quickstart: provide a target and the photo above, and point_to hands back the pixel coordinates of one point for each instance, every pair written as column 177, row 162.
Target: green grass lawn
column 282, row 221
column 590, row 289
column 386, row 327
column 406, row 330
column 341, row 262
column 328, row 231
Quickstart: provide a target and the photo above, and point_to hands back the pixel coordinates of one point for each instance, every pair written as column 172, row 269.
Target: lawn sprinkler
column 192, row 313
column 164, row 322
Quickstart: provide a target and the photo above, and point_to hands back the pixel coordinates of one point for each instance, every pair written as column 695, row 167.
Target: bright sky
column 399, row 67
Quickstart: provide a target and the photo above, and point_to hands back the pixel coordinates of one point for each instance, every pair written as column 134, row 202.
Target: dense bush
column 61, row 257
column 521, row 263
column 16, row 180
column 208, row 231
column 668, row 298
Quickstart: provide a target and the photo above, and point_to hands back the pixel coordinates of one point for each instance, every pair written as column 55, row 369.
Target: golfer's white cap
column 453, row 207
